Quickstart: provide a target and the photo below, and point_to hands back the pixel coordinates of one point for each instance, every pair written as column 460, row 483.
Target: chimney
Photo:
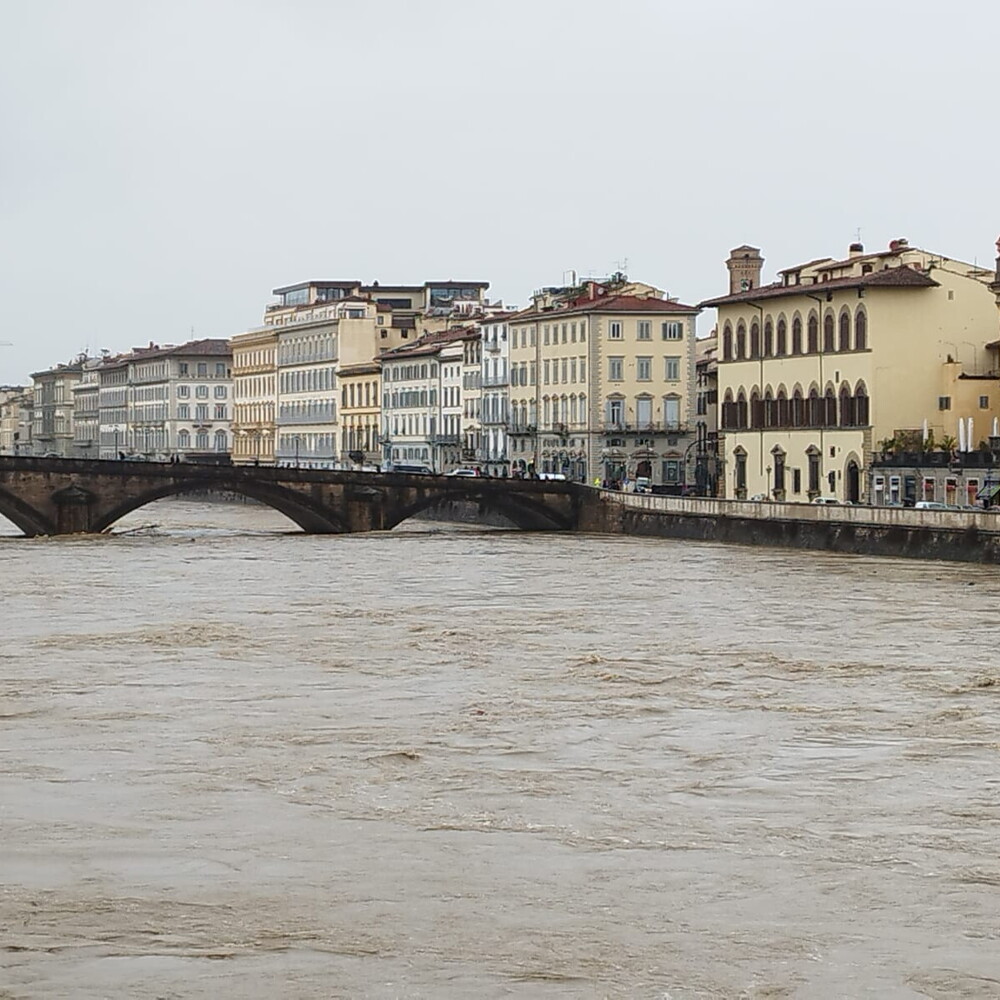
column 745, row 265
column 855, row 250
column 899, row 244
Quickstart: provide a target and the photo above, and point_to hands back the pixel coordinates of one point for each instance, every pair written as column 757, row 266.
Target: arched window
column 755, row 339
column 797, row 335
column 845, row 331
column 728, row 411
column 741, row 341
column 183, row 439
column 781, row 348
column 798, row 409
column 220, row 440
column 861, row 331
column 727, row 343
column 769, row 410
column 830, row 407
column 782, row 417
column 768, row 338
column 815, row 408
column 846, row 407
column 812, row 345
column 861, row 405
column 828, row 341
column 756, row 411
column 741, row 409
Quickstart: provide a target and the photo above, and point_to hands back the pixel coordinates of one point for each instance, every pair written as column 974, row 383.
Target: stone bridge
column 53, row 496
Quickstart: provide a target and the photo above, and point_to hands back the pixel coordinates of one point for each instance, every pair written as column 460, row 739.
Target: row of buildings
column 868, row 377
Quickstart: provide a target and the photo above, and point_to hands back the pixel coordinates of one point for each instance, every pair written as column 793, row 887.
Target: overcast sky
column 163, row 166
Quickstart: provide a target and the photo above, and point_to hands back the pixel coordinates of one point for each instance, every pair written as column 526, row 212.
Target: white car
column 462, row 472
column 826, row 500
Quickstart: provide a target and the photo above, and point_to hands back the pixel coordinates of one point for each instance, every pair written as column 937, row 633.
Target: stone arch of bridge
column 524, row 511
column 24, row 516
column 309, row 516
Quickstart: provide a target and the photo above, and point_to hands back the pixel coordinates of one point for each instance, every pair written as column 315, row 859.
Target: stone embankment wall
column 888, row 531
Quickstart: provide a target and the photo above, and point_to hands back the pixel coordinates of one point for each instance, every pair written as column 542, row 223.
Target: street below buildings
column 445, row 762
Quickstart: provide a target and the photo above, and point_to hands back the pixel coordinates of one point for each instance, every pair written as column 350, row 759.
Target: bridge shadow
column 218, row 512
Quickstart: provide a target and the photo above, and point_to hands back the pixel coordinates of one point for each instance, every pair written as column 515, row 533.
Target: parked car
column 462, row 472
column 413, row 470
column 826, row 500
column 930, row 505
column 759, row 498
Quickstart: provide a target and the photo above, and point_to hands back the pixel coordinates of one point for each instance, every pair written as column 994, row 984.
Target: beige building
column 602, row 383
column 52, row 431
column 255, row 396
column 820, row 368
column 16, row 417
column 360, row 406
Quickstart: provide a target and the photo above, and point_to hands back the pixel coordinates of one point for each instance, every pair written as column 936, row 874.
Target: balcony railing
column 492, row 381
column 653, row 427
column 447, row 439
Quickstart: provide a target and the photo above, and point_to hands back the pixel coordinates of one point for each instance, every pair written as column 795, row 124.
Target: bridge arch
column 24, row 516
column 309, row 516
column 526, row 512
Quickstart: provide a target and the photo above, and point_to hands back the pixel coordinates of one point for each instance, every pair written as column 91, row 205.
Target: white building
column 160, row 403
column 495, row 405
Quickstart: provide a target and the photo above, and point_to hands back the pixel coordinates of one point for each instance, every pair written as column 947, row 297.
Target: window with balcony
column 615, row 412
column 672, row 411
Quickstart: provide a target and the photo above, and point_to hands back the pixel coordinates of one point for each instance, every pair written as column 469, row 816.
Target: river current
column 446, row 762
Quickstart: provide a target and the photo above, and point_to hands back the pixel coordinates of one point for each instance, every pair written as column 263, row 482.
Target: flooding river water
column 452, row 763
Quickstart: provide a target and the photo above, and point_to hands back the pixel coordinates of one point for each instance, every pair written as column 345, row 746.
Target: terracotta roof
column 604, row 304
column 893, row 277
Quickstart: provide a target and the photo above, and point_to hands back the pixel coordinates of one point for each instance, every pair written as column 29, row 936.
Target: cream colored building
column 818, row 368
column 255, row 396
column 52, row 431
column 16, row 406
column 602, row 383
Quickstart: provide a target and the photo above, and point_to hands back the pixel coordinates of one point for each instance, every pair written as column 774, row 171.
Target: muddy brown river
column 443, row 762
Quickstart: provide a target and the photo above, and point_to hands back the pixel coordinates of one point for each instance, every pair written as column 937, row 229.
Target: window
column 984, row 402
column 672, row 331
column 220, row 392
column 644, row 369
column 182, row 368
column 183, row 439
column 813, row 336
column 644, row 330
column 203, row 368
column 220, row 370
column 727, row 343
column 672, row 369
column 616, row 412
column 797, row 335
column 944, row 402
column 845, row 332
column 201, row 391
column 615, row 369
column 644, row 412
column 828, row 343
column 614, row 330
column 183, row 411
column 201, row 411
column 220, row 440
column 782, row 346
column 545, row 371
column 672, row 412
column 201, row 442
column 220, row 411
column 860, row 331
column 183, row 391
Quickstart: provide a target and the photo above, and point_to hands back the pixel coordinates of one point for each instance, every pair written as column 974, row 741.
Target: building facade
column 495, row 393
column 602, row 383
column 86, row 421
column 254, row 396
column 16, row 419
column 820, row 368
column 52, row 431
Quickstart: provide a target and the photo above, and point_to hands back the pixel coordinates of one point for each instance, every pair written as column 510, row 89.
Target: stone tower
column 745, row 265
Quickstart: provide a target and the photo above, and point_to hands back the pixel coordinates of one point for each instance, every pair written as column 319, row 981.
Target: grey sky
column 164, row 165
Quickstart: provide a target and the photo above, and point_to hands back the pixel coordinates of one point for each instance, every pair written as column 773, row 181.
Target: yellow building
column 602, row 383
column 838, row 359
column 360, row 409
column 254, row 390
